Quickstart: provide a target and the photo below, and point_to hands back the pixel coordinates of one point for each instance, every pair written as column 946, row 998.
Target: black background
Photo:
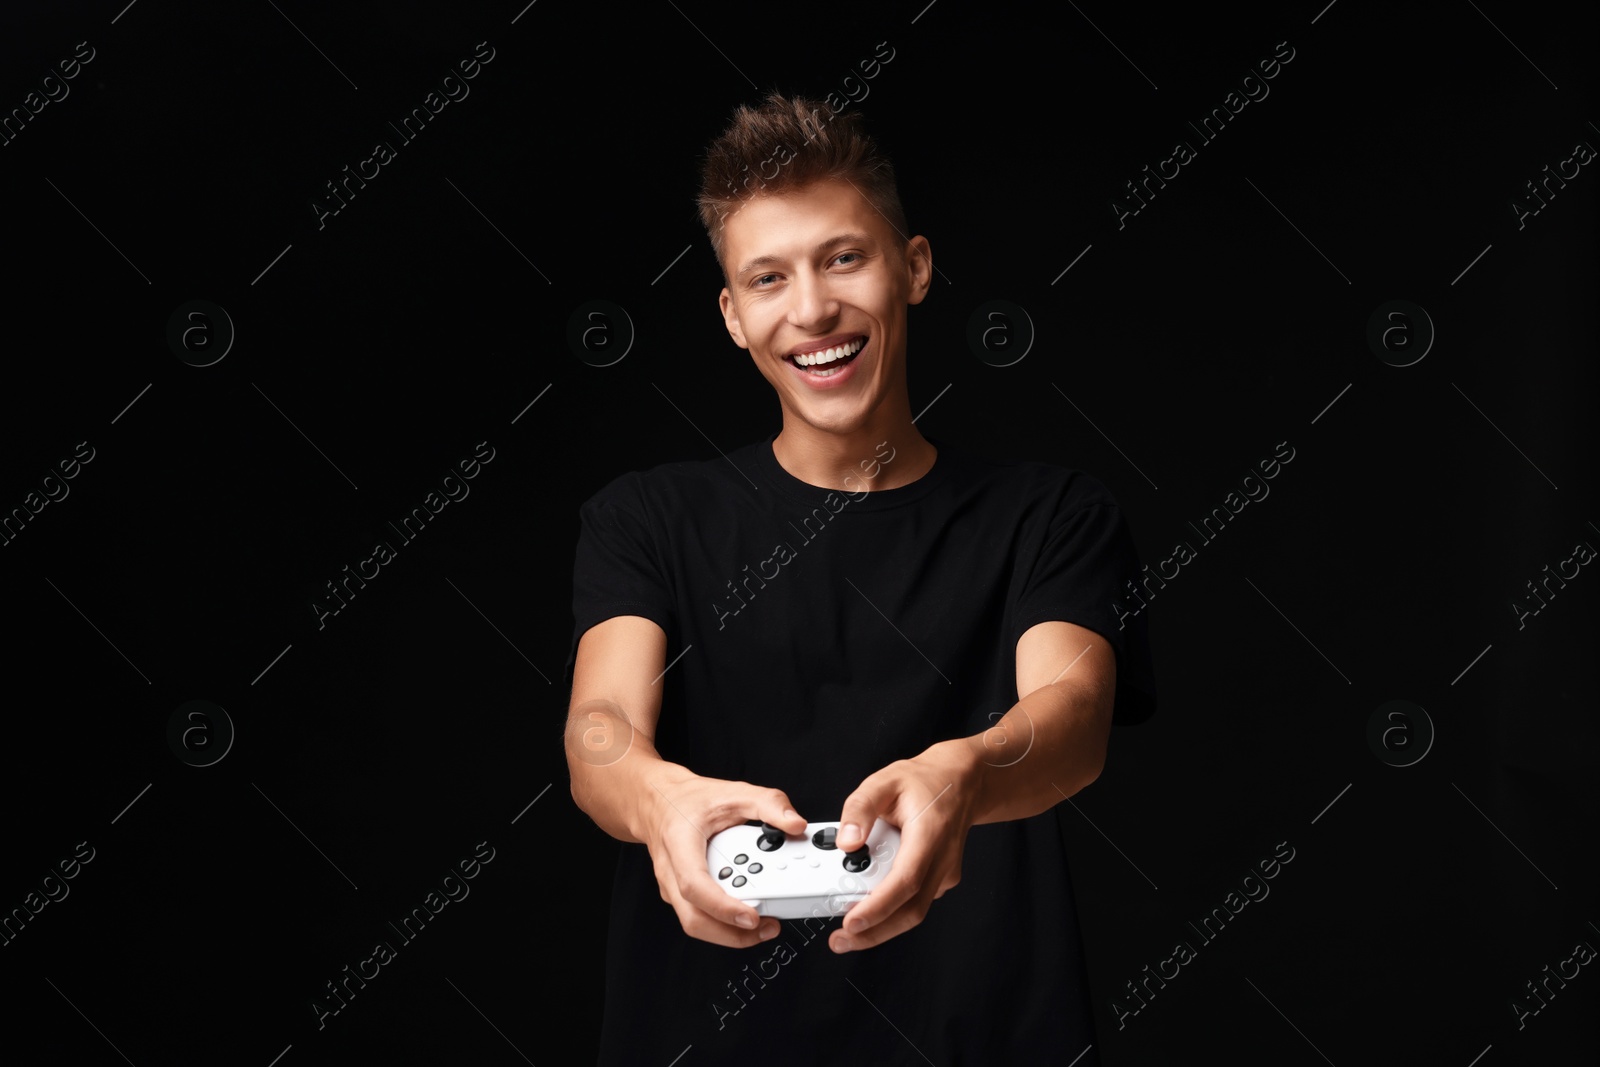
column 375, row 352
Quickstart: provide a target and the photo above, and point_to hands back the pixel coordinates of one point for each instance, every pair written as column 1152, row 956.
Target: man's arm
column 622, row 783
column 1051, row 744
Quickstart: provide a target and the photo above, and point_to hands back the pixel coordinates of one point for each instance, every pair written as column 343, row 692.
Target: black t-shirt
column 813, row 637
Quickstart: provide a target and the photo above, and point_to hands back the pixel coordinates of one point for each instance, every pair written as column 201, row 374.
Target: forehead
column 795, row 222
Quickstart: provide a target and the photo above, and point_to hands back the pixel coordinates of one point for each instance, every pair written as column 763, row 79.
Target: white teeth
column 828, row 355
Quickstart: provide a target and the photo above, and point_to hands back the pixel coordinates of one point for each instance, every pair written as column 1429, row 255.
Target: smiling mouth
column 829, row 361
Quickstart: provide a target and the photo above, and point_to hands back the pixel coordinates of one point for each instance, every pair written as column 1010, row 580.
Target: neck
column 887, row 454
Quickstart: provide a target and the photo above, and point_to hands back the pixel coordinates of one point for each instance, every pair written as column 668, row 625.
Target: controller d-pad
column 857, row 861
column 825, row 838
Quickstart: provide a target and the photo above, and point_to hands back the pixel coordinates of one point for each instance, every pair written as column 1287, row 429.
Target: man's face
column 818, row 272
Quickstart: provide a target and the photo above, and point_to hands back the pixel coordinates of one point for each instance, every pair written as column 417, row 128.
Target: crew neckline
column 810, row 495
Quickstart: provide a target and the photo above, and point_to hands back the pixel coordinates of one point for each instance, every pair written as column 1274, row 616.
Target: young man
column 847, row 621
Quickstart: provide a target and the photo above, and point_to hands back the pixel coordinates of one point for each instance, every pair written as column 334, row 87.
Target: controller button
column 755, row 868
column 739, row 881
column 741, row 858
column 857, row 861
column 725, row 872
column 824, row 838
column 814, row 861
column 782, row 866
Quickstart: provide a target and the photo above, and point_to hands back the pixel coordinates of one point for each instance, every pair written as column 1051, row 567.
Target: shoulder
column 670, row 486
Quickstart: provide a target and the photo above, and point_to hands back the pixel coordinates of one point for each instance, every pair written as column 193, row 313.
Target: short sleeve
column 618, row 565
column 1081, row 568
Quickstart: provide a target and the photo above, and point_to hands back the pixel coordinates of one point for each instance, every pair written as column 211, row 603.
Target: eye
column 762, row 280
column 843, row 256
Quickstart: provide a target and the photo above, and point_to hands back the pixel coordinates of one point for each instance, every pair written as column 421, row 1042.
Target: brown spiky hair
column 787, row 142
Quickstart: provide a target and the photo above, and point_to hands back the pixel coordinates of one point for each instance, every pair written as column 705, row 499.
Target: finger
column 903, row 882
column 902, row 919
column 773, row 807
column 861, row 809
column 703, row 927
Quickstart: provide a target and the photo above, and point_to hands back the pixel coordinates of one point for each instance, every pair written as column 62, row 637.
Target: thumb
column 860, row 812
column 773, row 807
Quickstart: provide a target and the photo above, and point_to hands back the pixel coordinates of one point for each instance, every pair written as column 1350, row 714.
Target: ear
column 730, row 319
column 919, row 264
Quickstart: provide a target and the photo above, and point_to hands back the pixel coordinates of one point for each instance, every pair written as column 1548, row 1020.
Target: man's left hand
column 931, row 798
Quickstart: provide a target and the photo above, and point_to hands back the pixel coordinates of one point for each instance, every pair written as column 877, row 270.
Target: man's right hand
column 681, row 816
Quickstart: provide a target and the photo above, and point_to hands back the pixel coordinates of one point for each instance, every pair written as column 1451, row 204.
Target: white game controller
column 799, row 876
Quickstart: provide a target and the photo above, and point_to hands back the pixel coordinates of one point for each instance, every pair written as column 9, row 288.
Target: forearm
column 1051, row 744
column 618, row 792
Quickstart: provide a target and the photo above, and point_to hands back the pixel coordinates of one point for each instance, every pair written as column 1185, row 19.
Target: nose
column 812, row 306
